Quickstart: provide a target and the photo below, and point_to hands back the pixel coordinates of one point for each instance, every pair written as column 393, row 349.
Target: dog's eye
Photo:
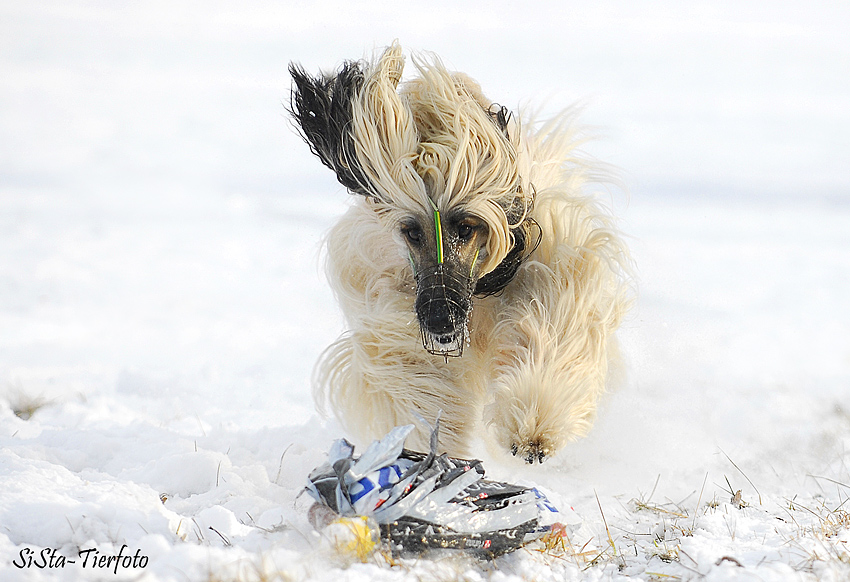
column 413, row 234
column 464, row 231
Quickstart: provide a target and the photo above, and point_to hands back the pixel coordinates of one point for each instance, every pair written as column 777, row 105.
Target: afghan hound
column 479, row 282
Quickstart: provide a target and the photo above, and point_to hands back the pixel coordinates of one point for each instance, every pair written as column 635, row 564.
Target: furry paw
column 531, row 452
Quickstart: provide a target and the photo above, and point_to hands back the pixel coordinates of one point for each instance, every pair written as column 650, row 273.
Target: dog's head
column 441, row 167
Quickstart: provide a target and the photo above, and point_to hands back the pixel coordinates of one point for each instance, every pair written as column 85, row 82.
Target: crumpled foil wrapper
column 425, row 502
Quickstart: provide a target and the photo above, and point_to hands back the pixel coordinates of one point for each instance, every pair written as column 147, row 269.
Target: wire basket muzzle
column 443, row 303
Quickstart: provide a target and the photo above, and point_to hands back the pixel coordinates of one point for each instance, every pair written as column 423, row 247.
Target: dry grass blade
column 641, row 505
column 699, row 499
column 744, row 474
column 557, row 544
column 604, row 521
column 830, row 480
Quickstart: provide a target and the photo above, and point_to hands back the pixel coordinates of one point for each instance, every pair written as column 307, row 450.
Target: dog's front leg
column 550, row 348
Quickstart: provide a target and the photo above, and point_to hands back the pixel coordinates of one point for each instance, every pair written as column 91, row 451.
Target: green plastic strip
column 439, row 237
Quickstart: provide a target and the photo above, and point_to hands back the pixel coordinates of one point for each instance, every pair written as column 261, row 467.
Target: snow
column 162, row 300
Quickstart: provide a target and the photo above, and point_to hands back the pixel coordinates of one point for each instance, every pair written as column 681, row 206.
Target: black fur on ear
column 527, row 236
column 322, row 107
column 501, row 116
column 496, row 280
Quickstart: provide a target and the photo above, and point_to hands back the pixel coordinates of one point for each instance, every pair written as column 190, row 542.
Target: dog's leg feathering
column 552, row 342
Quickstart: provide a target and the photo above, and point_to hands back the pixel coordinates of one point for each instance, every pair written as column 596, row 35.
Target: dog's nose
column 439, row 319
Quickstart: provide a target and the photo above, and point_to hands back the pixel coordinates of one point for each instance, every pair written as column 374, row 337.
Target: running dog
column 479, row 281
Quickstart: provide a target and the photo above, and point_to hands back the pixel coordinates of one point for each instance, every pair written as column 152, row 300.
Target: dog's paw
column 535, row 451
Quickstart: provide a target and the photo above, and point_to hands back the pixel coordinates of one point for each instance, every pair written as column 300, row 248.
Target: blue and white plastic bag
column 428, row 501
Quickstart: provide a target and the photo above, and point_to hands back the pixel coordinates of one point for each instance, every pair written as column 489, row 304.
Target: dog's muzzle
column 443, row 304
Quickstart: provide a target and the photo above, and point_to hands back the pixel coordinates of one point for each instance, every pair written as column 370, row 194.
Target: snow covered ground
column 162, row 304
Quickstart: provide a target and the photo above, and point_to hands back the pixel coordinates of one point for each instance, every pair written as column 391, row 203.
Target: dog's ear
column 322, row 107
column 496, row 280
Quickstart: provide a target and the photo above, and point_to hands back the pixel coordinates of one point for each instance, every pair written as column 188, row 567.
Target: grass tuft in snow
column 24, row 405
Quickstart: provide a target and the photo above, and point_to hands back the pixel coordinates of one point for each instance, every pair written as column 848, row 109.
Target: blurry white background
column 160, row 225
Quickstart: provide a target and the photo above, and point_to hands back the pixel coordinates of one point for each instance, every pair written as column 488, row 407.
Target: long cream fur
column 538, row 352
